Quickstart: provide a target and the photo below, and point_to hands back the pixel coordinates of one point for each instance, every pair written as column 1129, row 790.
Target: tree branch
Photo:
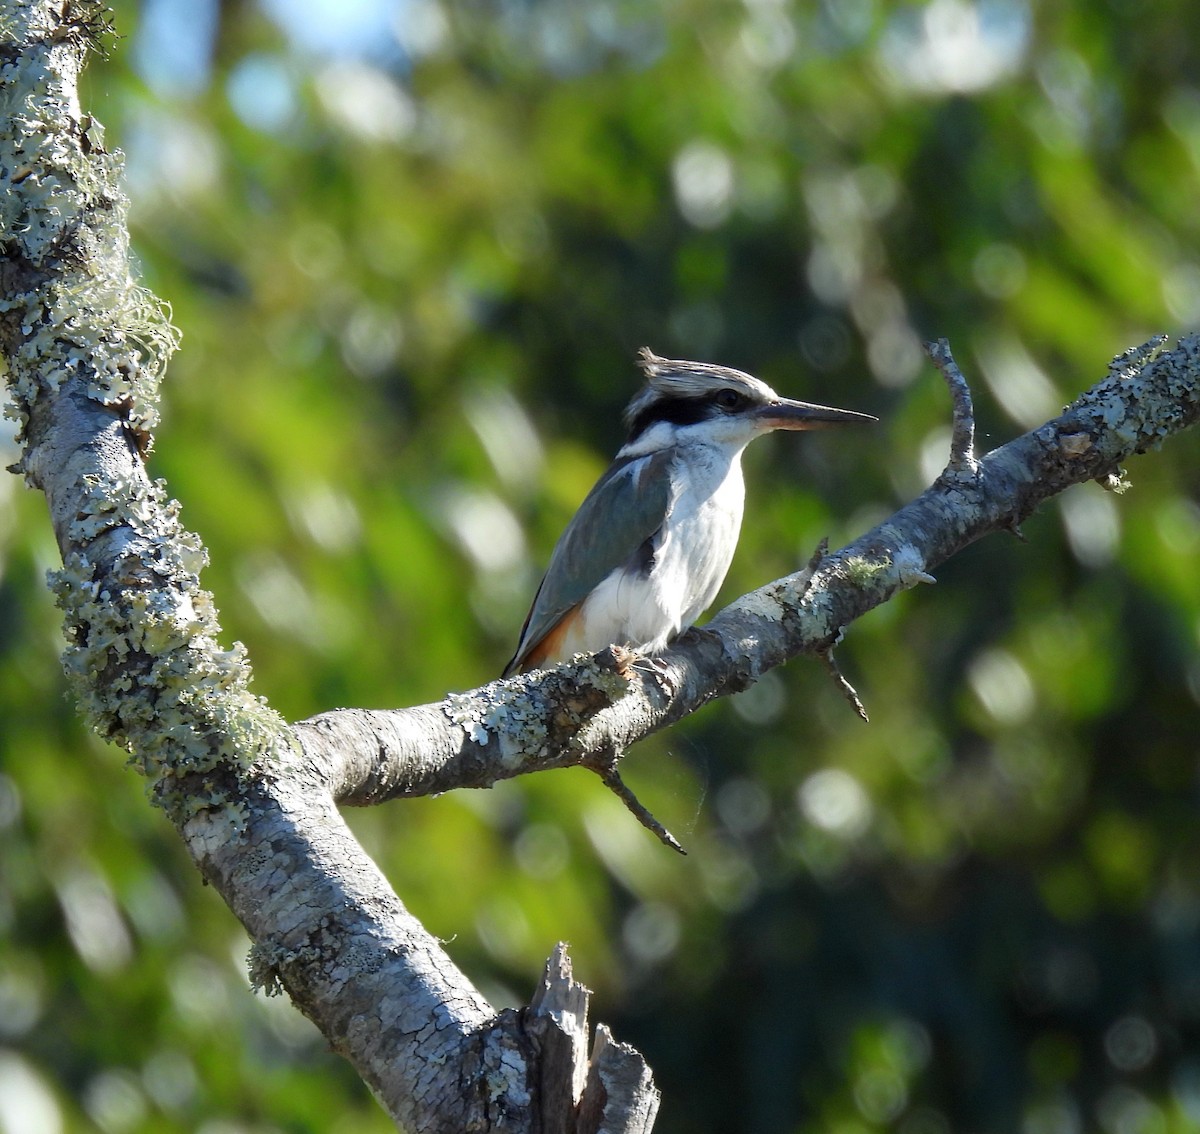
column 577, row 713
column 962, row 462
column 85, row 348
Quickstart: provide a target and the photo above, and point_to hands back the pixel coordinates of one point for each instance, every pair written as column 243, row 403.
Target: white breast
column 692, row 555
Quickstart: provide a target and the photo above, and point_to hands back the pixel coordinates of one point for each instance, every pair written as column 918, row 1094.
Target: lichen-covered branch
column 581, row 713
column 85, row 349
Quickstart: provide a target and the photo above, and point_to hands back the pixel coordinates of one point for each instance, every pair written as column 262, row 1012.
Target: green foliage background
column 412, row 267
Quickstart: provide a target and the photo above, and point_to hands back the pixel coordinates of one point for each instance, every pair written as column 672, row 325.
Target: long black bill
column 789, row 414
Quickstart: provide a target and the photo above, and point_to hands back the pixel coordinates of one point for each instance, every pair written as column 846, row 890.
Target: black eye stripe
column 676, row 411
column 686, row 411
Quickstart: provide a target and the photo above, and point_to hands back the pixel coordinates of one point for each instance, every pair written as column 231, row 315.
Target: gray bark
column 584, row 713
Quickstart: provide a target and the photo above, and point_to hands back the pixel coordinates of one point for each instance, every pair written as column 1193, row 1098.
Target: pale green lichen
column 467, row 710
column 1130, row 362
column 265, row 962
column 1142, row 402
column 62, row 215
column 143, row 655
column 502, row 711
column 506, row 712
column 864, row 572
column 902, row 569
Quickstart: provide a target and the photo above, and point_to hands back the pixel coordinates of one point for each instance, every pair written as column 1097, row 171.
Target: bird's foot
column 625, row 659
column 630, row 661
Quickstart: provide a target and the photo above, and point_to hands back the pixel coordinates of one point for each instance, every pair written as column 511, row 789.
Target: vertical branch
column 85, row 349
column 963, row 463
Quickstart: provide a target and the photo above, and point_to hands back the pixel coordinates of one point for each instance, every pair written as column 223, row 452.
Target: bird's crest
column 668, row 379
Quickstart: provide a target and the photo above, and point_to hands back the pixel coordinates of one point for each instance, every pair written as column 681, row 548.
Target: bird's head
column 715, row 404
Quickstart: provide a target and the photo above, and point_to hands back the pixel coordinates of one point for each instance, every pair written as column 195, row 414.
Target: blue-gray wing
column 624, row 509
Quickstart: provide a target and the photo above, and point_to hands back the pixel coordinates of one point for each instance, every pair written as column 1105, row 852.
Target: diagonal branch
column 574, row 713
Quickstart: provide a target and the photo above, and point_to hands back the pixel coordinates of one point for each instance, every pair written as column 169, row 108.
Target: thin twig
column 818, row 556
column 806, row 574
column 612, row 779
column 826, row 656
column 847, row 690
column 963, row 464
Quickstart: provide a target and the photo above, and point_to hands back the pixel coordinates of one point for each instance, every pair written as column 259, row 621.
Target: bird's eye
column 729, row 399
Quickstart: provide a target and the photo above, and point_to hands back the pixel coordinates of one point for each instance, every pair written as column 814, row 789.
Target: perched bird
column 648, row 549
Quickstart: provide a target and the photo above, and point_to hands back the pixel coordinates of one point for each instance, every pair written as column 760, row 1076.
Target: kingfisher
column 648, row 549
